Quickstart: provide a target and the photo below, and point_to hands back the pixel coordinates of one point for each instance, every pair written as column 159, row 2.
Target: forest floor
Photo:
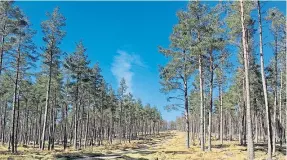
column 166, row 146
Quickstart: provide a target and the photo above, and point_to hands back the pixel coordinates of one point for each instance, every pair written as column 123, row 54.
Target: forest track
column 149, row 148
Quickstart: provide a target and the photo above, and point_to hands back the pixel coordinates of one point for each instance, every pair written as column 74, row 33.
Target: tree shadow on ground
column 264, row 148
column 131, row 158
column 18, row 153
column 178, row 152
column 77, row 155
column 220, row 146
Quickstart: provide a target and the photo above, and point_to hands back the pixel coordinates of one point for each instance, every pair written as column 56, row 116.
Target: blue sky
column 117, row 33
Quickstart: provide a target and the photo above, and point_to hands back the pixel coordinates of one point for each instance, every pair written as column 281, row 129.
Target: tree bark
column 17, row 122
column 187, row 127
column 221, row 108
column 4, row 123
column 275, row 100
column 76, row 115
column 202, row 137
column 267, row 110
column 87, row 130
column 47, row 102
column 14, row 146
column 65, row 119
column 246, row 68
column 211, row 100
column 2, row 50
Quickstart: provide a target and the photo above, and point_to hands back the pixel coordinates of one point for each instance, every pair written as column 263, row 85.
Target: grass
column 166, row 146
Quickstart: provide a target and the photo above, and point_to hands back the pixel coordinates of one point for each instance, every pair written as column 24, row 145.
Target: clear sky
column 123, row 37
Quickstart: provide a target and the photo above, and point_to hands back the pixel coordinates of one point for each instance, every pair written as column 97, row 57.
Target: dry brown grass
column 175, row 149
column 166, row 146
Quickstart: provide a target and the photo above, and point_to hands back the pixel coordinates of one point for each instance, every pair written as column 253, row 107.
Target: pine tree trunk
column 39, row 127
column 211, row 100
column 17, row 123
column 275, row 100
column 280, row 110
column 267, row 110
column 86, row 131
column 230, row 127
column 246, row 68
column 280, row 97
column 4, row 123
column 14, row 146
column 256, row 128
column 187, row 127
column 36, row 125
column 76, row 115
column 121, row 126
column 221, row 110
column 26, row 122
column 65, row 119
column 54, row 125
column 201, row 104
column 2, row 50
column 112, row 128
column 47, row 103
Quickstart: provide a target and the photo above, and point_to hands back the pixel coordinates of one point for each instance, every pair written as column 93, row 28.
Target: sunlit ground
column 166, row 146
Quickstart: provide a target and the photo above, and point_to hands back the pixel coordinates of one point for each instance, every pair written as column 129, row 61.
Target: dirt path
column 146, row 149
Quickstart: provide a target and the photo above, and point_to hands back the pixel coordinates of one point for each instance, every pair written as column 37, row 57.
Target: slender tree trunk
column 4, row 123
column 240, row 121
column 246, row 68
column 47, row 103
column 267, row 110
column 280, row 110
column 112, row 127
column 14, row 146
column 36, row 124
column 65, row 119
column 27, row 122
column 221, row 109
column 187, row 127
column 121, row 126
column 280, row 97
column 76, row 116
column 230, row 127
column 256, row 128
column 17, row 122
column 87, row 130
column 39, row 123
column 201, row 104
column 211, row 100
column 2, row 50
column 275, row 100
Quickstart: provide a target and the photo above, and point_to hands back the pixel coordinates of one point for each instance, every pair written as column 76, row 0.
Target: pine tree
column 77, row 64
column 24, row 54
column 53, row 35
column 121, row 95
column 246, row 70
column 176, row 74
column 277, row 29
column 268, row 116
